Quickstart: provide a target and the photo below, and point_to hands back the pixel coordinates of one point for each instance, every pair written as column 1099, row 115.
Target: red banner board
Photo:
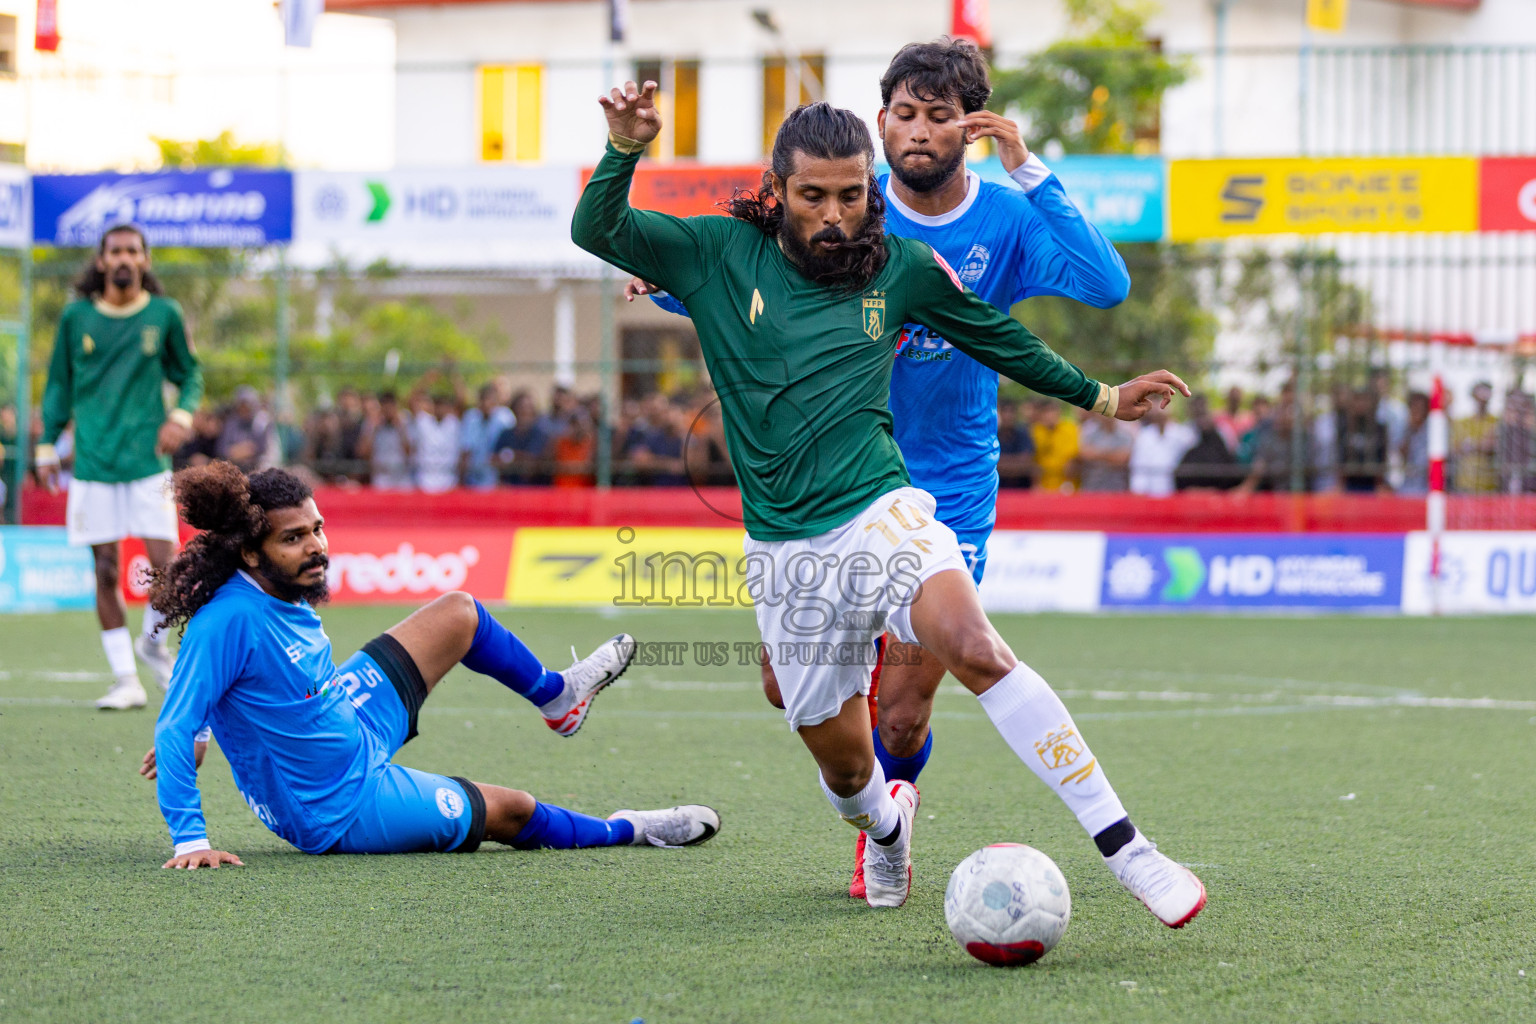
column 970, row 20
column 1508, row 194
column 47, row 35
column 686, row 191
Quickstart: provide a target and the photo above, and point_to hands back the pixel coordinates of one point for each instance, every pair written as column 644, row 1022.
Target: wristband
column 1108, row 400
column 192, row 846
column 180, row 417
column 624, row 144
column 46, row 455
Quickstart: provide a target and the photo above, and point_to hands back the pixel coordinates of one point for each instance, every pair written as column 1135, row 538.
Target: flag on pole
column 299, row 17
column 47, row 26
column 1327, row 15
column 969, row 19
column 618, row 20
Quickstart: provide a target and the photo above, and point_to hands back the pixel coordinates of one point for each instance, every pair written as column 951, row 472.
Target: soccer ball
column 1007, row 904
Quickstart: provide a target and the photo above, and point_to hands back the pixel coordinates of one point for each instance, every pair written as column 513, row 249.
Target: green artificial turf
column 1367, row 858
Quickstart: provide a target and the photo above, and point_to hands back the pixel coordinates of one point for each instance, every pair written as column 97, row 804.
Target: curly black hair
column 826, row 132
column 231, row 510
column 948, row 69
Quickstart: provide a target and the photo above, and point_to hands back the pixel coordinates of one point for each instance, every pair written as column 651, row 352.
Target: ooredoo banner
column 1508, row 194
column 382, row 566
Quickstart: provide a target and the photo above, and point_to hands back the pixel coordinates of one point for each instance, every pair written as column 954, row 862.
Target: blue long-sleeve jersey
column 1006, row 244
column 259, row 671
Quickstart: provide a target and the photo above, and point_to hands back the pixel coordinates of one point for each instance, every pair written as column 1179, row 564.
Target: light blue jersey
column 1006, row 244
column 259, row 671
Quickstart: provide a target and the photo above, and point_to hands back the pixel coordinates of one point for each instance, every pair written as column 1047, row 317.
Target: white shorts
column 100, row 513
column 822, row 601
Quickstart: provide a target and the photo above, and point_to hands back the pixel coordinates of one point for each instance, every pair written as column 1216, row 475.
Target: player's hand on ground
column 171, row 437
column 636, row 288
column 203, row 859
column 149, row 771
column 1010, row 144
column 632, row 112
column 1150, row 389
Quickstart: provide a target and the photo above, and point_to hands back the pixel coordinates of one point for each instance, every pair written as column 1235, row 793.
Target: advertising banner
column 452, row 217
column 1122, row 196
column 534, row 203
column 208, row 208
column 1219, row 198
column 1508, row 194
column 1040, row 572
column 1356, row 572
column 40, row 572
column 1481, row 572
column 627, row 567
column 687, row 190
column 15, row 206
column 390, row 566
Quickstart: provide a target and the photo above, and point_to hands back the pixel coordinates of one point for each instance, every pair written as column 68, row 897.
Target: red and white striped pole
column 1439, row 448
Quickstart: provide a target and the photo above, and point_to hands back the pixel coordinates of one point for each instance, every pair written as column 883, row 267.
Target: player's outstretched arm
column 675, row 253
column 938, row 300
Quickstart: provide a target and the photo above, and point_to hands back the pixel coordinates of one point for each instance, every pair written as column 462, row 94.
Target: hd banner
column 1221, row 198
column 1258, row 572
column 210, row 208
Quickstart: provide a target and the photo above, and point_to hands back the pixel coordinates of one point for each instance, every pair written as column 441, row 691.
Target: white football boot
column 158, row 657
column 587, row 678
column 687, row 825
column 126, row 693
column 888, row 869
column 1169, row 890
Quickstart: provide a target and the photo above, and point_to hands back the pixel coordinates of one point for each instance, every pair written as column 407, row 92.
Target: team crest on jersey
column 974, row 264
column 874, row 314
column 149, row 340
column 88, row 344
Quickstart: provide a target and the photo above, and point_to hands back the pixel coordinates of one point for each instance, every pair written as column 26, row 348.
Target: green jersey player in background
column 118, row 345
column 799, row 298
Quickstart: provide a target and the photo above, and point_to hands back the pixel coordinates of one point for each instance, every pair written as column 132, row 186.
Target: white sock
column 152, row 620
column 119, row 648
column 1037, row 726
column 871, row 809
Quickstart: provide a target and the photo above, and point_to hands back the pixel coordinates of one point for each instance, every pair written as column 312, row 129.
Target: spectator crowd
column 438, row 437
column 1360, row 440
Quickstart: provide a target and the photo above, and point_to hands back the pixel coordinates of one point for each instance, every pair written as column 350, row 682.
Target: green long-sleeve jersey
column 803, row 370
column 108, row 373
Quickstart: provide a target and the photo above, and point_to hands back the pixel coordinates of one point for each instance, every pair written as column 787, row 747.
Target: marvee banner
column 1220, row 198
column 210, row 208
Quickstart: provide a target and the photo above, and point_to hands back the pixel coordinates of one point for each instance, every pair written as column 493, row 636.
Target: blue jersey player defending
column 1006, row 244
column 310, row 744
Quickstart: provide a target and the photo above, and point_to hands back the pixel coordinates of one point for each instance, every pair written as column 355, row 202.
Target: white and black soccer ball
column 1007, row 904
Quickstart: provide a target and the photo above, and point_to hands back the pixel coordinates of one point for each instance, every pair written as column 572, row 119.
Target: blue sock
column 497, row 653
column 555, row 828
column 903, row 767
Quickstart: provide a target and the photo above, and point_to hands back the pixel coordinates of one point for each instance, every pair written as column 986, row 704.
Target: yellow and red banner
column 1222, row 198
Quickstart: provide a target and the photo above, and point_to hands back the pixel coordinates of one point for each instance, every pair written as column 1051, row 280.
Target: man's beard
column 124, row 278
column 845, row 264
column 288, row 588
column 926, row 179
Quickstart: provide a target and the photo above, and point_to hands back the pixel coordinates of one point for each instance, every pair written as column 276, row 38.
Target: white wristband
column 203, row 735
column 1030, row 173
column 192, row 846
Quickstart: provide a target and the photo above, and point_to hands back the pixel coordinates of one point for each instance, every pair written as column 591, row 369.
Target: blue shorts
column 972, row 524
column 405, row 810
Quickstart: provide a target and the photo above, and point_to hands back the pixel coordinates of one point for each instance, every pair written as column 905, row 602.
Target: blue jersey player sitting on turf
column 1006, row 244
column 310, row 744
